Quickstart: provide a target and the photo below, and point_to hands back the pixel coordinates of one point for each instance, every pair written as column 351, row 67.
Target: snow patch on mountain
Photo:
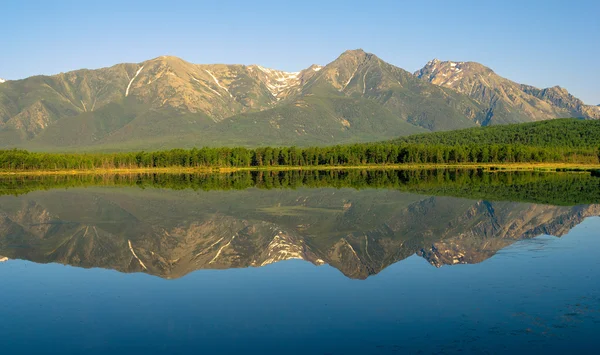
column 208, row 87
column 217, row 82
column 277, row 81
column 132, row 79
column 442, row 73
column 349, row 79
column 2, row 81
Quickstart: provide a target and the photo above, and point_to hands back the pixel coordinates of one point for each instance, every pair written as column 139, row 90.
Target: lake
column 319, row 262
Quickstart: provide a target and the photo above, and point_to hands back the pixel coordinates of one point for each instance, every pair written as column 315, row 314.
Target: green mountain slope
column 575, row 133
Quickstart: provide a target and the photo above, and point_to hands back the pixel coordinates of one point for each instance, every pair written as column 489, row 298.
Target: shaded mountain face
column 172, row 233
column 504, row 100
column 167, row 102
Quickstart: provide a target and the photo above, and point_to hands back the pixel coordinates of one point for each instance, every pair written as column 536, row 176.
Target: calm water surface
column 125, row 270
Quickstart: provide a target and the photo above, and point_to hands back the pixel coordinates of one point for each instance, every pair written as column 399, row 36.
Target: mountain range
column 171, row 233
column 167, row 102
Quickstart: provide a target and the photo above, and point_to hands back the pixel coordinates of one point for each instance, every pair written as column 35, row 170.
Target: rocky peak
column 316, row 67
column 560, row 97
column 503, row 100
column 449, row 73
column 167, row 59
column 349, row 70
column 359, row 52
column 355, row 58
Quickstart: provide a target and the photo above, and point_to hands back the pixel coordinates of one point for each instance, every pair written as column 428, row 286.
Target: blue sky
column 542, row 43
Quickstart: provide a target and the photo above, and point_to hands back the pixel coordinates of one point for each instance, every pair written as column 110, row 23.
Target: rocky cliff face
column 504, row 100
column 360, row 233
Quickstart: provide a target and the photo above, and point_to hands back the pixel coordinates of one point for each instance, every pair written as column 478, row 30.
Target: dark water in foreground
column 123, row 270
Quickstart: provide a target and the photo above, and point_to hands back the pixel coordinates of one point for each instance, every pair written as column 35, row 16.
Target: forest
column 347, row 155
column 555, row 141
column 563, row 132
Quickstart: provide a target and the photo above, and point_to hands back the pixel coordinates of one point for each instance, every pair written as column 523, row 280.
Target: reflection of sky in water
column 534, row 295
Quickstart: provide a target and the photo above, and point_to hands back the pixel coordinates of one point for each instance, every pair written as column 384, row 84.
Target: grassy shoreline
column 550, row 167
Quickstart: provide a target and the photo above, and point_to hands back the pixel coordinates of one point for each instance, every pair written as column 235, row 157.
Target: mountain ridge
column 167, row 102
column 501, row 97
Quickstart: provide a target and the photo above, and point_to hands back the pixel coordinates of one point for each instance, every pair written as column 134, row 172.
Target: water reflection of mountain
column 171, row 233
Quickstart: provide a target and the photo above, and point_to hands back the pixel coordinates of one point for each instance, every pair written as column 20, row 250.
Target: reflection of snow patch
column 133, row 252
column 210, row 247
column 352, row 249
column 3, row 259
column 220, row 250
column 280, row 249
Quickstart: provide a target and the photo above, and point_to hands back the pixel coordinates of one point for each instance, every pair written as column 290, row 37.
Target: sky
column 541, row 43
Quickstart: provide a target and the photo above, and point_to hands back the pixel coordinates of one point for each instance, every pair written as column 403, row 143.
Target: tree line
column 340, row 155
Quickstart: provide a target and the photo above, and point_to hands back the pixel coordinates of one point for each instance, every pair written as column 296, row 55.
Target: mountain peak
column 436, row 68
column 315, row 67
column 503, row 96
column 353, row 58
column 560, row 89
column 357, row 53
column 167, row 59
